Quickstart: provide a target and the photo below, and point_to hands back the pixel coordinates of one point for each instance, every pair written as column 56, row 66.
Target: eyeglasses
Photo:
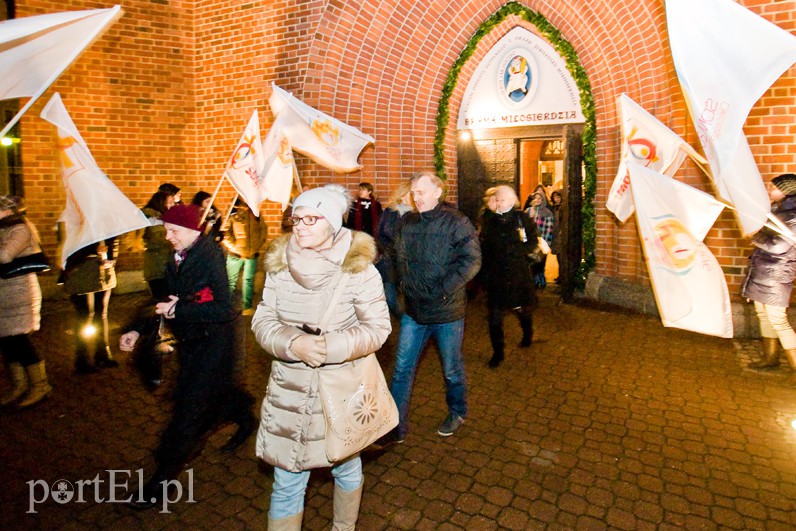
column 308, row 220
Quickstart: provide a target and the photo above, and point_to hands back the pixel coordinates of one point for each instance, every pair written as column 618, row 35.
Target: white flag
column 34, row 51
column 673, row 219
column 278, row 171
column 95, row 208
column 726, row 57
column 327, row 141
column 246, row 164
column 645, row 141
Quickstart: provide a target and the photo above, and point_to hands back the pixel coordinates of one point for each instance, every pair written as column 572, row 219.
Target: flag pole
column 229, row 211
column 213, row 198
column 296, row 175
column 776, row 225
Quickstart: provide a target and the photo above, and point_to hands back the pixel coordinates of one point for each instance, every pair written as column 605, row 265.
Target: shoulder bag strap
column 338, row 292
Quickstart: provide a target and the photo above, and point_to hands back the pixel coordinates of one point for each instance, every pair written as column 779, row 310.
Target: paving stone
column 609, row 421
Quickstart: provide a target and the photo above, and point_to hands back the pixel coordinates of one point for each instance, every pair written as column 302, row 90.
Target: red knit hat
column 187, row 216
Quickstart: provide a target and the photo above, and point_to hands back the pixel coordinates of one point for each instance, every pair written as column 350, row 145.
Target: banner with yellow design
column 95, row 208
column 327, row 141
column 647, row 142
column 278, row 171
column 246, row 164
column 689, row 285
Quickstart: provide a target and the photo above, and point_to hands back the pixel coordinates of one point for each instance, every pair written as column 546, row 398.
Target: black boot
column 495, row 360
column 497, row 340
column 104, row 358
column 154, row 489
column 246, row 427
column 526, row 322
column 102, row 353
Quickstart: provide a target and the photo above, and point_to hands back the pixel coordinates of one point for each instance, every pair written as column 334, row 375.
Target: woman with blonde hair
column 508, row 238
column 400, row 203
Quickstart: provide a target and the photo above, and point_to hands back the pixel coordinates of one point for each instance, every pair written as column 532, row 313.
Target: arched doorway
column 520, row 124
column 521, row 158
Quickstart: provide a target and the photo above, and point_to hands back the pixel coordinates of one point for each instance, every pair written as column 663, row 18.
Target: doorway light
column 465, row 136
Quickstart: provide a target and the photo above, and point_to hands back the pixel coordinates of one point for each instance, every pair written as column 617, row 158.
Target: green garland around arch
column 565, row 49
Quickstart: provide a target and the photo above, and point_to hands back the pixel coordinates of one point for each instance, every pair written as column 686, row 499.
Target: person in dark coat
column 437, row 254
column 769, row 277
column 202, row 319
column 365, row 212
column 400, row 204
column 508, row 236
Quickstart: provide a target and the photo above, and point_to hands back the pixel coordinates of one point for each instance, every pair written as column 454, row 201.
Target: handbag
column 357, row 404
column 537, row 255
column 22, row 265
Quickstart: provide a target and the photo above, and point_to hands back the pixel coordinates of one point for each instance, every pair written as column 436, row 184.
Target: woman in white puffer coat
column 303, row 268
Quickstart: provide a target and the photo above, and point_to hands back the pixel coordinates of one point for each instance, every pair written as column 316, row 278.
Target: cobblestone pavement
column 609, row 421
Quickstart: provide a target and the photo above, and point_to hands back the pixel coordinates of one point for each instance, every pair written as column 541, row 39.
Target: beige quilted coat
column 298, row 286
column 20, row 297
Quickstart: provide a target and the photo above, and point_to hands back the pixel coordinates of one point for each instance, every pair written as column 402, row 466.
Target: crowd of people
column 339, row 278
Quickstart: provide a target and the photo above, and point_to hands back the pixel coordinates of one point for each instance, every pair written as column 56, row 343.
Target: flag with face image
column 726, row 57
column 689, row 285
column 329, row 142
column 95, row 208
column 649, row 143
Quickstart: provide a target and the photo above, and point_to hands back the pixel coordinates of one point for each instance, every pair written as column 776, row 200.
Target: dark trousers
column 205, row 397
column 495, row 318
column 18, row 349
column 193, row 419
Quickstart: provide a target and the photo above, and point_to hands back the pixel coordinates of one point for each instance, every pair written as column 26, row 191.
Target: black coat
column 386, row 241
column 772, row 265
column 506, row 272
column 437, row 254
column 204, row 330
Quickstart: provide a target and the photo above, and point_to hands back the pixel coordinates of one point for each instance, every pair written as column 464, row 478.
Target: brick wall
column 166, row 93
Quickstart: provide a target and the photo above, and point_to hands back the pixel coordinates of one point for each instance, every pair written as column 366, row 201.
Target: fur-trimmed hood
column 357, row 250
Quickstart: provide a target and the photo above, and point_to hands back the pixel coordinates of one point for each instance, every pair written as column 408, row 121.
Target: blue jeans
column 287, row 498
column 411, row 340
column 249, row 266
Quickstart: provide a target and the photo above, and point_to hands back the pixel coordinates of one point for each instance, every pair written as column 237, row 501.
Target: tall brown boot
column 288, row 523
column 39, row 386
column 790, row 381
column 770, row 354
column 346, row 508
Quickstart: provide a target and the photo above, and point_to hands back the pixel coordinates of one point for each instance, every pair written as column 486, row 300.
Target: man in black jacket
column 437, row 254
column 202, row 319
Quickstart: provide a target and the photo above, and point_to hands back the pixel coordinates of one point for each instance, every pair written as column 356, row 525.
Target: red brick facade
column 165, row 94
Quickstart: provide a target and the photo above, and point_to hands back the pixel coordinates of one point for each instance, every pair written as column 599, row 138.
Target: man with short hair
column 437, row 254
